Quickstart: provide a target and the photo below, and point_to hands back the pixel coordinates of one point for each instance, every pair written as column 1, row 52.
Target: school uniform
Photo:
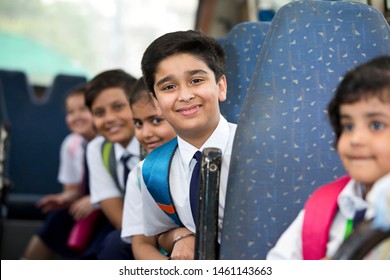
column 103, row 186
column 132, row 221
column 71, row 159
column 58, row 223
column 182, row 165
column 350, row 201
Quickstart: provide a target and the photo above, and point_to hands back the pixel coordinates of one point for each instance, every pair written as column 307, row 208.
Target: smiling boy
column 184, row 71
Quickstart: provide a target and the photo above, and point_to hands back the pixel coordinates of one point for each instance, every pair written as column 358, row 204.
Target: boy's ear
column 155, row 101
column 222, row 88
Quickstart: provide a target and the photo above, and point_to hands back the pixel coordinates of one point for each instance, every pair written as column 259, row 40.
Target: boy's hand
column 54, row 201
column 184, row 249
column 181, row 249
column 81, row 208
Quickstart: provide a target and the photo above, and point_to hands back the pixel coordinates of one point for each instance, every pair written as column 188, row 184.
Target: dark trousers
column 114, row 248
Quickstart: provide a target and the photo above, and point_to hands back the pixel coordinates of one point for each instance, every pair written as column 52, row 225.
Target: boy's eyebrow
column 196, row 71
column 163, row 80
column 189, row 73
column 368, row 115
column 148, row 118
column 376, row 114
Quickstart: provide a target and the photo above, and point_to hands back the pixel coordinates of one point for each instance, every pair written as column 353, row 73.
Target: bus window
column 84, row 37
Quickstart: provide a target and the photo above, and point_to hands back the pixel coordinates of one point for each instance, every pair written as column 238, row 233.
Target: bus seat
column 55, row 107
column 37, row 130
column 4, row 148
column 242, row 48
column 62, row 83
column 221, row 41
column 283, row 146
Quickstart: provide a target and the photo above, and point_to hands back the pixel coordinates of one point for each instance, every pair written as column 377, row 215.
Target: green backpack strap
column 108, row 155
column 155, row 172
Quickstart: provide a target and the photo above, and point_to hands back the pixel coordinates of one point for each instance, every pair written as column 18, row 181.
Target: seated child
column 151, row 130
column 112, row 154
column 360, row 115
column 184, row 71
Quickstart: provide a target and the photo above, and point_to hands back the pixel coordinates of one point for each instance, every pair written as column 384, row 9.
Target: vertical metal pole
column 206, row 243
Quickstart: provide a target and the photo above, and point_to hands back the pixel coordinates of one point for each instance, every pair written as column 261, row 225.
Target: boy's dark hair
column 140, row 93
column 78, row 89
column 368, row 80
column 116, row 78
column 190, row 42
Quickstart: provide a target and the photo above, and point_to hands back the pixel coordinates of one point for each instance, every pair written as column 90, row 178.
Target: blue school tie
column 194, row 185
column 85, row 179
column 359, row 217
column 126, row 170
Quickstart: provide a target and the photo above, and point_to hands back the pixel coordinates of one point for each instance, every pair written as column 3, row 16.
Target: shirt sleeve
column 132, row 222
column 71, row 160
column 102, row 185
column 289, row 245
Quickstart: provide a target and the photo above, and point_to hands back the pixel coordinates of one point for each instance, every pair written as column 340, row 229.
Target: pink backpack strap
column 320, row 209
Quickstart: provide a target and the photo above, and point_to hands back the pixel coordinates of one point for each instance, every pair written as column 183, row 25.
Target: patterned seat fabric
column 283, row 148
column 242, row 47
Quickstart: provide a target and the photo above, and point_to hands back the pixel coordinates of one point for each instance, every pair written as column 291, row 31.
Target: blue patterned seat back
column 37, row 130
column 242, row 48
column 283, row 147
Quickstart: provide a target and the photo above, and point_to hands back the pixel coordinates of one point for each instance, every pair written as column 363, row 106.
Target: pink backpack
column 320, row 209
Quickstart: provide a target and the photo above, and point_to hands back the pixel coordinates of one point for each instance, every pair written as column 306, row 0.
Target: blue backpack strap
column 108, row 155
column 155, row 172
column 320, row 209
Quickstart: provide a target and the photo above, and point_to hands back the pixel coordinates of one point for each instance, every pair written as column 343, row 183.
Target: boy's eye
column 157, row 121
column 98, row 113
column 347, row 127
column 168, row 87
column 197, row 80
column 137, row 123
column 118, row 106
column 69, row 112
column 375, row 125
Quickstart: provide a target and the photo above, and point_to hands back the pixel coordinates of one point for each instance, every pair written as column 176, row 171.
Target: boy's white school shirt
column 350, row 200
column 132, row 221
column 155, row 220
column 102, row 185
column 71, row 159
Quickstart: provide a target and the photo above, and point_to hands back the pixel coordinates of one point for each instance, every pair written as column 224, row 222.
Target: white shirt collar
column 133, row 148
column 378, row 197
column 351, row 199
column 218, row 139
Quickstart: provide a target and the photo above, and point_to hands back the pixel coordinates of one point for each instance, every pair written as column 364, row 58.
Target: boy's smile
column 188, row 96
column 364, row 144
column 112, row 116
column 151, row 129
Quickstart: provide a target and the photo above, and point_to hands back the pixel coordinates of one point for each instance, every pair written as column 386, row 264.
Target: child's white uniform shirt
column 132, row 221
column 71, row 159
column 350, row 200
column 155, row 220
column 102, row 185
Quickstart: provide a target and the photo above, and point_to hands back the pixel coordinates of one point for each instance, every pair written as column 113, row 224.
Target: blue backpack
column 155, row 172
